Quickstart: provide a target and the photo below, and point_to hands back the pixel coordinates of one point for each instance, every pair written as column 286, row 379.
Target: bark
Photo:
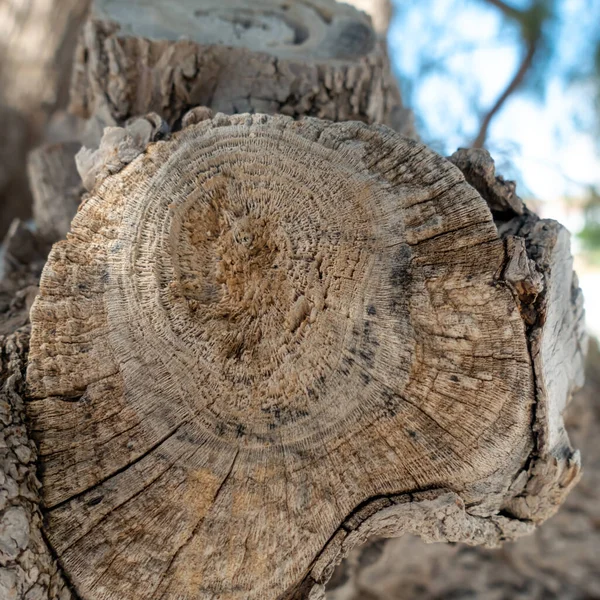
column 308, row 58
column 28, row 570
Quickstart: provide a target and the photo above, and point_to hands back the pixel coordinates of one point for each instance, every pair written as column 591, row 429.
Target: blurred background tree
column 521, row 78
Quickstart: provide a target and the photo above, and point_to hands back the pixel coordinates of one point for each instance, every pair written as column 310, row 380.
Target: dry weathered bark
column 267, row 340
column 28, row 570
column 313, row 57
column 559, row 561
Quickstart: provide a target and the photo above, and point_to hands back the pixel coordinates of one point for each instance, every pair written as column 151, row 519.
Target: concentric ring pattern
column 252, row 329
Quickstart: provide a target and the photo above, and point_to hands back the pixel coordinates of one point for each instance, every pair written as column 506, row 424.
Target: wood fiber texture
column 559, row 561
column 303, row 58
column 266, row 340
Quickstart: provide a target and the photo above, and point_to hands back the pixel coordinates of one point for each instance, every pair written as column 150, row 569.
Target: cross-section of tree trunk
column 313, row 57
column 266, row 340
column 560, row 559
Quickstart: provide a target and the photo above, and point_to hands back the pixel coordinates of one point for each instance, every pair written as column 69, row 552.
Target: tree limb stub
column 317, row 58
column 56, row 187
column 266, row 340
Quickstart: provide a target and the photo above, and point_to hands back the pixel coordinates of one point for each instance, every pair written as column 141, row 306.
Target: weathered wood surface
column 37, row 41
column 559, row 561
column 28, row 570
column 267, row 340
column 316, row 58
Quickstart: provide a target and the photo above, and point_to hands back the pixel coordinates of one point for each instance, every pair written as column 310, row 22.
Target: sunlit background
column 456, row 59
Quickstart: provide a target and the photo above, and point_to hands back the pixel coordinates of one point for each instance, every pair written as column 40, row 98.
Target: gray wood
column 316, row 58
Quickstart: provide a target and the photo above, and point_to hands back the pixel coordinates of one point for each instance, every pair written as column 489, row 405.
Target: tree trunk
column 37, row 42
column 267, row 340
column 313, row 58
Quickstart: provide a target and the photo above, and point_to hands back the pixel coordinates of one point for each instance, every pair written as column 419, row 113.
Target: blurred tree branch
column 513, row 85
column 530, row 23
column 509, row 11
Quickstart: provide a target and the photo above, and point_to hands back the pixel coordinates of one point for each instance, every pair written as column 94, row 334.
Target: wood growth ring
column 254, row 328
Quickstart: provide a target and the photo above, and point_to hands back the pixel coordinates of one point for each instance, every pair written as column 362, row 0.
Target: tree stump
column 266, row 340
column 317, row 58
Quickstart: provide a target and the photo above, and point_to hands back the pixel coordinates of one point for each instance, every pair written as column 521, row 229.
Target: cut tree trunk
column 316, row 58
column 266, row 340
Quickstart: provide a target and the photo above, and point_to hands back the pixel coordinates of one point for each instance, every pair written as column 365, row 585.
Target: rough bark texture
column 457, row 437
column 558, row 562
column 28, row 570
column 315, row 58
column 360, row 354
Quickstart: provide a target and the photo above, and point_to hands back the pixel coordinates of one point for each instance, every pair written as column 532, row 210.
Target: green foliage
column 590, row 234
